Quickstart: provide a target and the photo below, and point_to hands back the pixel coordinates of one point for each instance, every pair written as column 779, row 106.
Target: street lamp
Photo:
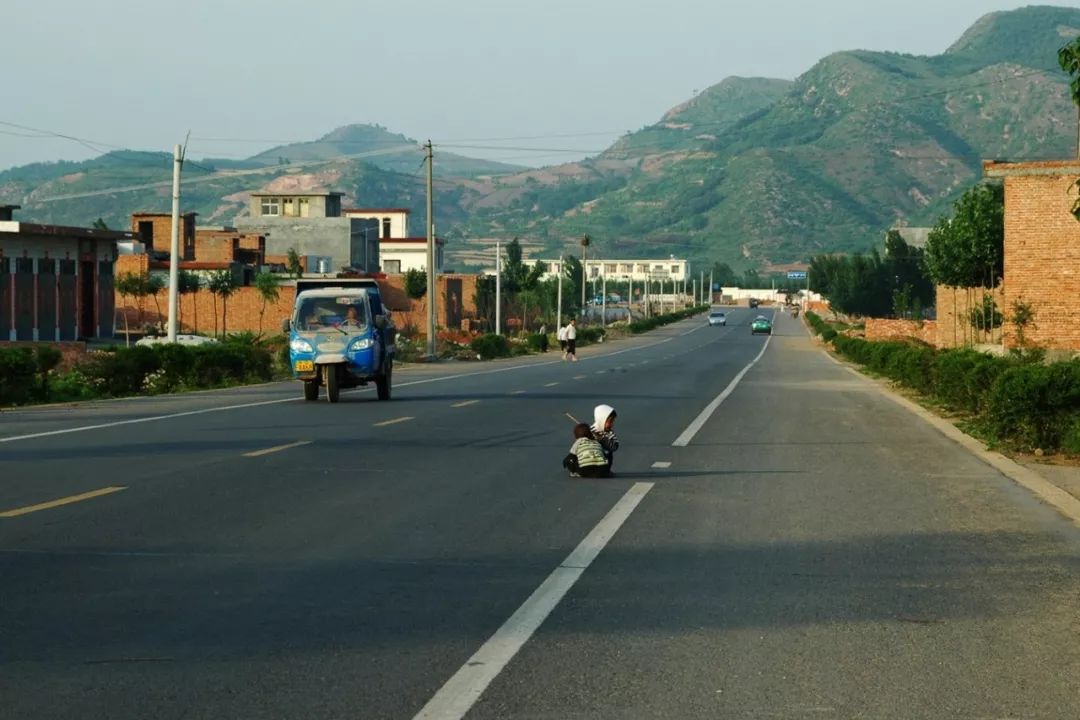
column 585, row 239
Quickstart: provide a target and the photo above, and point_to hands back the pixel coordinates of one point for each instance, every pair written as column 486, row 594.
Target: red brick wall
column 954, row 306
column 1042, row 258
column 215, row 246
column 881, row 329
column 197, row 310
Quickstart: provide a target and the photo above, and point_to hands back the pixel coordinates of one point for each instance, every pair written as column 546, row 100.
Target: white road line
column 580, row 377
column 462, row 690
column 518, row 392
column 601, row 372
column 692, row 430
column 465, row 403
column 553, row 384
column 395, row 421
column 661, row 464
column 279, row 448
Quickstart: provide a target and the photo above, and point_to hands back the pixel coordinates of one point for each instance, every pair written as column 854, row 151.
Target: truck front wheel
column 331, row 380
column 383, row 381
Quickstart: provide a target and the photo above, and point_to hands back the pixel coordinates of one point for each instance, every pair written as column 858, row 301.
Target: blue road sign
column 796, row 275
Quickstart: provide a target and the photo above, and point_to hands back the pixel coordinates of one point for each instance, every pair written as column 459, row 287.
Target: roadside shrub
column 589, row 335
column 536, row 342
column 120, row 371
column 1035, row 406
column 17, row 370
column 490, row 346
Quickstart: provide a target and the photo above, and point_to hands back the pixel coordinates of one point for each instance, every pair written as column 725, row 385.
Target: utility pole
column 584, row 269
column 603, row 302
column 498, row 287
column 431, row 285
column 558, row 302
column 710, row 288
column 174, row 244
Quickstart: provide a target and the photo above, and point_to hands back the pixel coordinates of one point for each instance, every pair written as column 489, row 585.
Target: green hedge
column 491, row 346
column 17, row 371
column 651, row 323
column 1016, row 399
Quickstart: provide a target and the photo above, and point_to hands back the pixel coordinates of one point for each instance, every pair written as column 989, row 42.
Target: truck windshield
column 322, row 313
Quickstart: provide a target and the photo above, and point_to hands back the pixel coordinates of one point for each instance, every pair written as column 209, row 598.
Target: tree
column 99, row 224
column 267, row 285
column 223, row 285
column 1069, row 61
column 128, row 285
column 723, row 274
column 968, row 249
column 154, row 285
column 415, row 283
column 188, row 283
column 573, row 280
column 293, row 265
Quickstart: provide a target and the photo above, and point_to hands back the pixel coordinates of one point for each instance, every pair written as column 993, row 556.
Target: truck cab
column 340, row 336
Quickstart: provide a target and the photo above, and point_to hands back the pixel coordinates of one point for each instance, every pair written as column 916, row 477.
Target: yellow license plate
column 305, row 365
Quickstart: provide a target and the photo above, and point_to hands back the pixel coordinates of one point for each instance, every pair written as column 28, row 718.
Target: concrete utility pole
column 584, row 269
column 710, row 287
column 558, row 302
column 603, row 302
column 431, row 285
column 498, row 287
column 701, row 298
column 174, row 243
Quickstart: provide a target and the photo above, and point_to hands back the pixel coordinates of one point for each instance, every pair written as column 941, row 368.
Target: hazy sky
column 568, row 74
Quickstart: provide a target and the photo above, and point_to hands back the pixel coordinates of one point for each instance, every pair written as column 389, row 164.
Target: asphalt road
column 812, row 551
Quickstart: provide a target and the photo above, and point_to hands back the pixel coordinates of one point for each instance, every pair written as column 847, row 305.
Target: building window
column 386, row 227
column 393, row 267
column 610, row 268
column 641, row 268
column 674, row 269
column 288, row 207
column 626, row 267
column 271, row 206
column 305, row 207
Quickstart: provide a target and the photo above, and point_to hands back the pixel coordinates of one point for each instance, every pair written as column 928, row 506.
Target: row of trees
column 895, row 284
column 221, row 284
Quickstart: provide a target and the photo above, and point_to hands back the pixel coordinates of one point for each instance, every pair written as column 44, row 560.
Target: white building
column 393, row 222
column 622, row 270
column 399, row 255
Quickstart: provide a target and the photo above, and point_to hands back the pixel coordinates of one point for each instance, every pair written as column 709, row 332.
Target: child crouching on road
column 603, row 430
column 586, row 457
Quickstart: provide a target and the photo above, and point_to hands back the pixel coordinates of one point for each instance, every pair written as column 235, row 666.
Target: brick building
column 56, row 282
column 1042, row 249
column 154, row 231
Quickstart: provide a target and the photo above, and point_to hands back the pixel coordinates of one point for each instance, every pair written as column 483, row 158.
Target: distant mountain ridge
column 751, row 171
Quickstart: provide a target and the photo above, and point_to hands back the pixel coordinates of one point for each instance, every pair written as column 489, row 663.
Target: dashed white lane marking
column 699, row 422
column 580, row 377
column 518, row 392
column 553, row 384
column 462, row 690
column 465, row 403
column 601, row 372
column 395, row 421
column 661, row 464
column 277, row 448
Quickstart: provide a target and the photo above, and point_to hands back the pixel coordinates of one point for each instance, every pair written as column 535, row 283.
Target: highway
column 790, row 545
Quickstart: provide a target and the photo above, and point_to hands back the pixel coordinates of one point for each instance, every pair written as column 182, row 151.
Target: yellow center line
column 62, row 501
column 395, row 421
column 551, row 384
column 278, row 448
column 465, row 403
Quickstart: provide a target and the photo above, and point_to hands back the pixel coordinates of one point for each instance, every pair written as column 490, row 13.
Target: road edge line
column 457, row 696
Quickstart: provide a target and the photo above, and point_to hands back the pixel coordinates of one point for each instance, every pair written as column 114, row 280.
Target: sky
column 565, row 77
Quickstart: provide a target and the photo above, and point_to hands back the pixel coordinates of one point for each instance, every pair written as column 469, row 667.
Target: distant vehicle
column 761, row 324
column 339, row 337
column 754, row 302
column 717, row 318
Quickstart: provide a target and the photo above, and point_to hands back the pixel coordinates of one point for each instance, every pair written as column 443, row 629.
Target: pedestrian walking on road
column 561, row 337
column 571, row 340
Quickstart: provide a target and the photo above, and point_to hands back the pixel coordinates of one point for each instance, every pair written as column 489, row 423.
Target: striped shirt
column 588, row 452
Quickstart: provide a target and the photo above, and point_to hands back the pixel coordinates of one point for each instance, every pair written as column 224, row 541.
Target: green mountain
column 382, row 148
column 755, row 172
column 751, row 171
